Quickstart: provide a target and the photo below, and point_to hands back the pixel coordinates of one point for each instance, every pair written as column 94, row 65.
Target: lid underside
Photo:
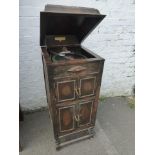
column 63, row 20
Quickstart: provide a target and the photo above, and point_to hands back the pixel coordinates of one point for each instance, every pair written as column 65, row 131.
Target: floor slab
column 114, row 132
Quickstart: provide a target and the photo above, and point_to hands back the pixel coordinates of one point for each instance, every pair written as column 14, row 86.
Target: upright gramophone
column 72, row 73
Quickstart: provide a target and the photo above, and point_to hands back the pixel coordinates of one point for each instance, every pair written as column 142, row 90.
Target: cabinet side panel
column 98, row 83
column 50, row 96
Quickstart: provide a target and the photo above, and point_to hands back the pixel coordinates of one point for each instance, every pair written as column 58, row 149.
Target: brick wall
column 113, row 39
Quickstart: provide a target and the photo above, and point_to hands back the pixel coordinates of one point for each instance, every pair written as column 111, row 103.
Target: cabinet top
column 70, row 9
column 58, row 20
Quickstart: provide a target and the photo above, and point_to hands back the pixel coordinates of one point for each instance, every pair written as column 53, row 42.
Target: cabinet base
column 74, row 137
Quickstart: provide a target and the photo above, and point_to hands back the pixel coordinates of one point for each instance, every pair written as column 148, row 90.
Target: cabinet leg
column 92, row 132
column 57, row 142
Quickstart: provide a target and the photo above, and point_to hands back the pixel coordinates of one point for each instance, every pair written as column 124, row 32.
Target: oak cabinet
column 72, row 73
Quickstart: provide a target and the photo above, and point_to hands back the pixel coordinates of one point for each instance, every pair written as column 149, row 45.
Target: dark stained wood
column 72, row 86
column 21, row 115
column 70, row 9
column 20, row 147
column 85, row 113
column 21, row 118
column 64, row 20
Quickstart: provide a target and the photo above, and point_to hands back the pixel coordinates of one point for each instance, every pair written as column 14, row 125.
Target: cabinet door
column 65, row 90
column 66, row 118
column 85, row 113
column 87, row 86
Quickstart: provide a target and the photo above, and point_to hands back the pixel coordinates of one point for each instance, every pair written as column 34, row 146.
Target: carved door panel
column 65, row 89
column 87, row 86
column 85, row 113
column 66, row 118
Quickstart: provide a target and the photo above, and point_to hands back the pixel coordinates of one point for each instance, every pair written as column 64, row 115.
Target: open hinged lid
column 63, row 25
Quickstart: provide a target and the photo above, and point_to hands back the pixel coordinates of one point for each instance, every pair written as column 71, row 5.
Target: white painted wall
column 113, row 39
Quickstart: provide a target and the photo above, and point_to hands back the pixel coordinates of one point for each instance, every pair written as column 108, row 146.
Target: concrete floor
column 114, row 132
